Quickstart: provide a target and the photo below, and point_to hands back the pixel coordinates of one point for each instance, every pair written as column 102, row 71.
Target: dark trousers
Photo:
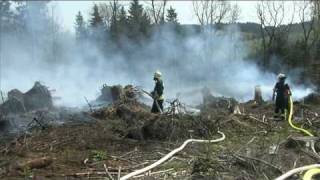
column 155, row 108
column 281, row 104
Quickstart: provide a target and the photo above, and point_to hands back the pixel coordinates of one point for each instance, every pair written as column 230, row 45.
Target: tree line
column 111, row 22
column 274, row 46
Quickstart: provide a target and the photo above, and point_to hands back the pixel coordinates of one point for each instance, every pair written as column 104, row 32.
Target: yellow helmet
column 157, row 74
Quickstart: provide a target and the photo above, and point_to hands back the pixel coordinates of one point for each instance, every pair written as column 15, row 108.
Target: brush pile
column 117, row 93
column 125, row 136
column 38, row 97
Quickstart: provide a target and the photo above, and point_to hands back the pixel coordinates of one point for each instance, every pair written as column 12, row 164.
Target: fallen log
column 36, row 163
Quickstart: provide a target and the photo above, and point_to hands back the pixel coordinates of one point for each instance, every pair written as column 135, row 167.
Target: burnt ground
column 126, row 136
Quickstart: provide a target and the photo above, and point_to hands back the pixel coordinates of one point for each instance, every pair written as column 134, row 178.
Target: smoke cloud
column 214, row 59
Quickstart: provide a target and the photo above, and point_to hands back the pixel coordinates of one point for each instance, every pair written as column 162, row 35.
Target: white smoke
column 213, row 59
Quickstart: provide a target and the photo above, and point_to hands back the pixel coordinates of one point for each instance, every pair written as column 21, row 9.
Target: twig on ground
column 128, row 153
column 90, row 173
column 256, row 119
column 123, row 159
column 119, row 172
column 295, row 162
column 90, row 107
column 267, row 178
column 261, row 161
column 247, row 144
column 154, row 173
column 109, row 175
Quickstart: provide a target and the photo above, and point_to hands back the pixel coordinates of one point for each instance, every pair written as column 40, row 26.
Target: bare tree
column 209, row 12
column 157, row 11
column 271, row 15
column 316, row 8
column 307, row 21
column 235, row 13
column 316, row 14
column 109, row 12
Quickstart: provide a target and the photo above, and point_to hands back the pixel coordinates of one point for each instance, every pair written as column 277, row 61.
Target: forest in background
column 111, row 28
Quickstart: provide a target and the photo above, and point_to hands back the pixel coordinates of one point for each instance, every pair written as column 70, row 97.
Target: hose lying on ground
column 290, row 120
column 312, row 170
column 311, row 173
column 297, row 170
column 169, row 155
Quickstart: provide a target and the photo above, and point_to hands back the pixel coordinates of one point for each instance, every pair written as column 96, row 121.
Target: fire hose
column 169, row 155
column 155, row 100
column 311, row 170
column 290, row 120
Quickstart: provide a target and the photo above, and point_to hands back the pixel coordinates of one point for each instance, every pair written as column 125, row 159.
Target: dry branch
column 259, row 160
column 109, row 175
column 154, row 173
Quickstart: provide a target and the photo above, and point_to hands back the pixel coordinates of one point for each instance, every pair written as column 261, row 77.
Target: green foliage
column 96, row 19
column 122, row 21
column 172, row 16
column 27, row 172
column 98, row 155
column 138, row 21
column 119, row 24
column 80, row 27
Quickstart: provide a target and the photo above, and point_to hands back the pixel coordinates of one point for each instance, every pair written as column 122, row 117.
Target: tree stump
column 258, row 95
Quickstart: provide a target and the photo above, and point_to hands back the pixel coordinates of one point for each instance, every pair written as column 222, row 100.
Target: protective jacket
column 158, row 96
column 158, row 90
column 283, row 91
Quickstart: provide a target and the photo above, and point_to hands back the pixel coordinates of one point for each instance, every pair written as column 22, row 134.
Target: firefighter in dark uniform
column 282, row 92
column 157, row 93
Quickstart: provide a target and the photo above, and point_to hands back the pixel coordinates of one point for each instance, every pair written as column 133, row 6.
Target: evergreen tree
column 172, row 16
column 97, row 28
column 114, row 21
column 122, row 21
column 96, row 19
column 119, row 26
column 80, row 27
column 138, row 21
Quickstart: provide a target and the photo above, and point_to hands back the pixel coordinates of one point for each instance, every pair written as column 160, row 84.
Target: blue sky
column 65, row 11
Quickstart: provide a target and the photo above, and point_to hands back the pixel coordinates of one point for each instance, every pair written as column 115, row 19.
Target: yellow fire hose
column 312, row 172
column 290, row 119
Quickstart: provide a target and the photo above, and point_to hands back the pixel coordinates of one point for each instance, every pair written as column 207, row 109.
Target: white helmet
column 157, row 74
column 281, row 76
